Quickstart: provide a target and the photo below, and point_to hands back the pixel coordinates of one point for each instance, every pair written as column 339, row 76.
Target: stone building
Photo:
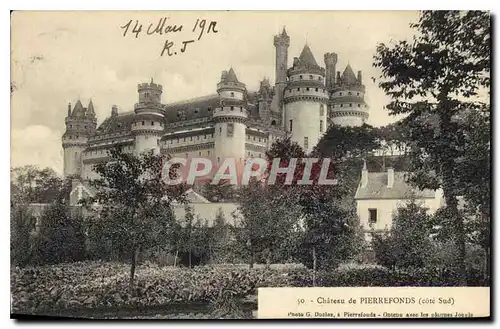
column 233, row 122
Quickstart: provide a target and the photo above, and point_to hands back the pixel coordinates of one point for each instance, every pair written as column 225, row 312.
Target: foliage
column 133, row 202
column 61, row 236
column 408, row 242
column 22, row 225
column 99, row 285
column 437, row 81
column 30, row 184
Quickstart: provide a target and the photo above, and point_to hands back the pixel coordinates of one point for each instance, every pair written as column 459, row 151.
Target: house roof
column 119, row 123
column 377, row 188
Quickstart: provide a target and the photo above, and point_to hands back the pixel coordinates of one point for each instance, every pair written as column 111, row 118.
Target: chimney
column 390, row 177
column 360, row 78
column 69, row 108
column 114, row 110
column 364, row 175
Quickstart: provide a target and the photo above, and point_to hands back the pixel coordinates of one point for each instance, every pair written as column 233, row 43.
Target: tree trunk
column 133, row 264
column 251, row 259
column 314, row 266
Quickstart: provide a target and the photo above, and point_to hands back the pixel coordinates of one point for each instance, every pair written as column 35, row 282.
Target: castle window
column 241, row 108
column 260, row 140
column 218, row 159
column 311, row 77
column 300, row 77
column 341, row 105
column 372, row 215
column 197, row 137
column 208, row 152
column 199, row 153
column 85, row 127
column 211, row 135
column 273, row 123
column 291, row 125
column 350, row 104
column 253, row 137
column 184, row 139
column 319, row 78
column 298, row 89
column 316, row 89
column 232, row 93
column 320, row 126
column 204, row 136
column 359, row 105
column 306, row 143
column 209, row 109
column 191, row 138
column 220, row 130
column 143, row 123
column 321, row 110
column 186, row 155
column 349, row 93
column 71, row 126
column 340, row 94
column 307, row 88
column 232, row 108
column 152, row 123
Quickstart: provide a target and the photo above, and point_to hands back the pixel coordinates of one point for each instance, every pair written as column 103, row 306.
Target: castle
column 234, row 122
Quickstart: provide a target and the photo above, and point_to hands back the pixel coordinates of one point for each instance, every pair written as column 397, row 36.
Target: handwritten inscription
column 199, row 29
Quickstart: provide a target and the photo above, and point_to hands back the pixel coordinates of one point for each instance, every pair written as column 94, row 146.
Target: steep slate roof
column 90, row 108
column 113, row 124
column 231, row 76
column 348, row 76
column 307, row 58
column 78, row 110
column 377, row 188
column 192, row 108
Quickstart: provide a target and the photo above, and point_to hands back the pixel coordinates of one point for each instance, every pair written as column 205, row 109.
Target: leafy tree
column 435, row 81
column 408, row 242
column 22, row 225
column 266, row 221
column 30, row 184
column 134, row 202
column 61, row 237
column 220, row 239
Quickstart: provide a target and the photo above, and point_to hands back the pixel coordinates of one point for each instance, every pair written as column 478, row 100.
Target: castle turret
column 281, row 43
column 330, row 64
column 80, row 124
column 347, row 105
column 265, row 97
column 149, row 119
column 230, row 118
column 305, row 101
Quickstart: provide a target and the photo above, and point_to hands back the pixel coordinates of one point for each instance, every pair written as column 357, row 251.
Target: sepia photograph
column 250, row 164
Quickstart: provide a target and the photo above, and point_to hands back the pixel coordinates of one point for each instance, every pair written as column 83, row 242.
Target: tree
column 22, row 225
column 134, row 201
column 435, row 80
column 61, row 237
column 30, row 184
column 220, row 236
column 408, row 242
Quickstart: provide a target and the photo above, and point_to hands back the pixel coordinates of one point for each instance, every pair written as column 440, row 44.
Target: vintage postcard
column 250, row 165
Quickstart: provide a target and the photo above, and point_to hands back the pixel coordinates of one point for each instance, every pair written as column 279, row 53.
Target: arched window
column 273, row 123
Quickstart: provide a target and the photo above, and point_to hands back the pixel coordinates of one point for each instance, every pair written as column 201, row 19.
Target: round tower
column 281, row 43
column 80, row 124
column 230, row 119
column 347, row 100
column 305, row 101
column 149, row 119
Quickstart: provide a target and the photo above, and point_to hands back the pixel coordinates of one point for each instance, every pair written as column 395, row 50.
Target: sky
column 60, row 57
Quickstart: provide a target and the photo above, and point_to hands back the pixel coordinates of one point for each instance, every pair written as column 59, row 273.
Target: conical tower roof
column 90, row 109
column 78, row 110
column 231, row 76
column 348, row 76
column 307, row 58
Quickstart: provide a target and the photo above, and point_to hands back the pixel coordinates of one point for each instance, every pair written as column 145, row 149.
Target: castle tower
column 80, row 124
column 265, row 97
column 305, row 101
column 347, row 104
column 281, row 42
column 230, row 117
column 149, row 119
column 330, row 64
